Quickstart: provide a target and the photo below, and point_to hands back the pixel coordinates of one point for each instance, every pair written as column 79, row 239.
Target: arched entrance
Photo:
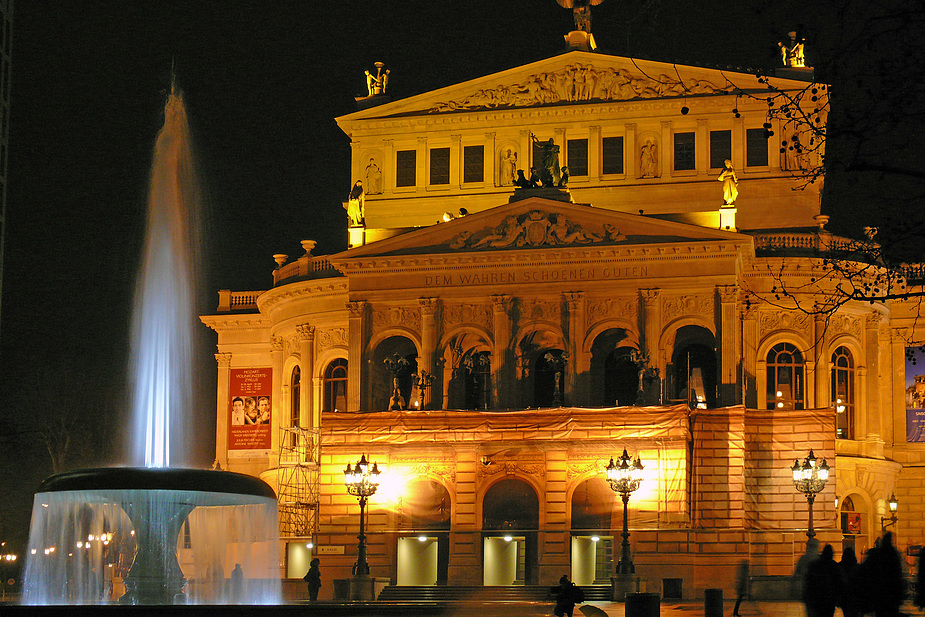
column 510, row 520
column 621, row 376
column 855, row 525
column 423, row 550
column 467, row 372
column 693, row 367
column 592, row 509
column 381, row 378
column 540, row 357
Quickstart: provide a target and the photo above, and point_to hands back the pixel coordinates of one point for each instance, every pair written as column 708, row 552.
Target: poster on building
column 249, row 411
column 915, row 395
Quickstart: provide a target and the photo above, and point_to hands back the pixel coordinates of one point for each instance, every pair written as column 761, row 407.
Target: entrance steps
column 516, row 593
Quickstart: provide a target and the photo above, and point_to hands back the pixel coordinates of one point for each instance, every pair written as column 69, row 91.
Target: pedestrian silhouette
column 823, row 585
column 237, row 584
column 568, row 594
column 313, row 578
column 883, row 584
column 919, row 598
column 742, row 573
column 850, row 599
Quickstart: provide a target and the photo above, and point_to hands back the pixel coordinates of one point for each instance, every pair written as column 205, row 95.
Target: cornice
column 320, row 288
column 250, row 321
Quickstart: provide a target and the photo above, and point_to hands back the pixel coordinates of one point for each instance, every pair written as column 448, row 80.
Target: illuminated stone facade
column 561, row 325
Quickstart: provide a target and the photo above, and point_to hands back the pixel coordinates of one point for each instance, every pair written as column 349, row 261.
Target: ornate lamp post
column 361, row 481
column 809, row 478
column 624, row 478
column 894, row 505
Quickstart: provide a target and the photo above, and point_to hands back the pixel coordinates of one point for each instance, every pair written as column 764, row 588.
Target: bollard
column 712, row 603
column 643, row 605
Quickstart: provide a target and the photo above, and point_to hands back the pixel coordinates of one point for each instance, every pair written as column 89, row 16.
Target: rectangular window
column 612, row 155
column 405, row 167
column 578, row 157
column 474, row 164
column 756, row 148
column 440, row 166
column 684, row 151
column 720, row 148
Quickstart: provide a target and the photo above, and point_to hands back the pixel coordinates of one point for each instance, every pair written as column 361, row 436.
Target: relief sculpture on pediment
column 534, row 229
column 578, row 82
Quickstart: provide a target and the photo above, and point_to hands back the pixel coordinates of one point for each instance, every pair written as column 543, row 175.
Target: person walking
column 823, row 585
column 237, row 584
column 881, row 577
column 313, row 578
column 919, row 598
column 567, row 596
column 850, row 600
column 742, row 573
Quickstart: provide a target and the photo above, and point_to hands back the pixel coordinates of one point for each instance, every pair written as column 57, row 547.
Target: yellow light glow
column 309, row 545
column 391, row 487
column 595, row 539
column 422, row 538
column 508, row 538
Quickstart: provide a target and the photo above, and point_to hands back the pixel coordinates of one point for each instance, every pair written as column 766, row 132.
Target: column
column 872, row 351
column 306, row 334
column 728, row 344
column 456, row 160
column 594, row 153
column 738, row 143
column 630, row 152
column 356, row 337
column 895, row 396
column 821, row 394
column 526, row 150
column 702, row 148
column 562, row 142
column 651, row 325
column 223, row 407
column 750, row 358
column 276, row 400
column 491, row 162
column 420, row 163
column 666, row 148
column 576, row 317
column 428, row 344
column 500, row 355
column 388, row 165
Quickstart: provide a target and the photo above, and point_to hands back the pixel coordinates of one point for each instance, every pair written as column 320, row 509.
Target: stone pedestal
column 623, row 584
column 358, row 588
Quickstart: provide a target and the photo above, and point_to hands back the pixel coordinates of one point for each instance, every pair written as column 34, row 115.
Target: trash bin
column 643, row 605
column 712, row 603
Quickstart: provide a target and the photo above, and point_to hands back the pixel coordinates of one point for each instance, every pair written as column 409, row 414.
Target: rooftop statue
column 377, row 84
column 581, row 11
column 356, row 204
column 792, row 54
column 550, row 173
column 730, row 183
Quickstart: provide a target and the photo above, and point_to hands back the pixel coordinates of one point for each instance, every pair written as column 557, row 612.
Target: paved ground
column 748, row 609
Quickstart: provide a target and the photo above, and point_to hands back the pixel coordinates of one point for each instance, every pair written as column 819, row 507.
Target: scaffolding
column 299, row 481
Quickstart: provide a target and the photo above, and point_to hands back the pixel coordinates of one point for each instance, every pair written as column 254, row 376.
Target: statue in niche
column 581, row 12
column 730, row 183
column 373, row 184
column 550, row 171
column 356, row 204
column 508, row 167
column 648, row 160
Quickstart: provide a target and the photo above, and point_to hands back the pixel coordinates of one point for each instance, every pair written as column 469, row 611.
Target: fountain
column 154, row 534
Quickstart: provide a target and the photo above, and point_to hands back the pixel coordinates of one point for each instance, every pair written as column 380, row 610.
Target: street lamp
column 894, row 505
column 624, row 478
column 361, row 481
column 810, row 478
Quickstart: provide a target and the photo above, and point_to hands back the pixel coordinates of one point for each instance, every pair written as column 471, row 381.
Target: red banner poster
column 249, row 417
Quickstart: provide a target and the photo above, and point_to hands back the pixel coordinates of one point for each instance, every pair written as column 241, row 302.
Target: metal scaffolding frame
column 299, row 481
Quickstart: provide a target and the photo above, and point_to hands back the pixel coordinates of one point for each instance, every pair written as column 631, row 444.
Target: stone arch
column 530, row 348
column 428, row 504
column 694, row 357
column 632, row 335
column 601, row 382
column 510, row 506
column 379, row 383
column 462, row 354
column 761, row 378
column 592, row 504
column 857, row 501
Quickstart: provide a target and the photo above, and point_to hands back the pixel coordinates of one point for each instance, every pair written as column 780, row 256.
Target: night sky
column 263, row 82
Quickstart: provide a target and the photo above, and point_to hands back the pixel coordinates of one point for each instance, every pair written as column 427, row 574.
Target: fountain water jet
column 163, row 535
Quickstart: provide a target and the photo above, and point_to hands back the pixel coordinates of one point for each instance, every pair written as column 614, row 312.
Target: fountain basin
column 152, row 536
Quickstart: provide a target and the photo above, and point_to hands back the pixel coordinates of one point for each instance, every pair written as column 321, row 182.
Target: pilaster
column 652, row 318
column 276, row 400
column 356, row 334
column 428, row 344
column 500, row 366
column 872, row 351
column 576, row 325
column 729, row 344
column 306, row 334
column 823, row 374
column 223, row 405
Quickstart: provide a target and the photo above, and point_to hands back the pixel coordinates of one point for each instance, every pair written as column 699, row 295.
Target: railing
column 237, row 300
column 816, row 242
column 307, row 267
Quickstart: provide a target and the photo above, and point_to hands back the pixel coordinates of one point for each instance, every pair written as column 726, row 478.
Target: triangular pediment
column 537, row 224
column 571, row 78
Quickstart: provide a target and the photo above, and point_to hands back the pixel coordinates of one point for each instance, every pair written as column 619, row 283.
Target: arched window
column 294, row 396
column 335, row 386
column 785, row 377
column 843, row 392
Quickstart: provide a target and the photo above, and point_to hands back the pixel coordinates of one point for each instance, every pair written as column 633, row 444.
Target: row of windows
column 720, row 149
column 785, row 387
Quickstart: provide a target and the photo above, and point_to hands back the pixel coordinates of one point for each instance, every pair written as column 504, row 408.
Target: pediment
column 571, row 78
column 535, row 225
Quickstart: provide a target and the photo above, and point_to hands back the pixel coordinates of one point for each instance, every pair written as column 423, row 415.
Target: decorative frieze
column 540, row 310
column 477, row 314
column 331, row 337
column 845, row 324
column 689, row 304
column 511, row 468
column 600, row 309
column 397, row 316
column 535, row 229
column 769, row 322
